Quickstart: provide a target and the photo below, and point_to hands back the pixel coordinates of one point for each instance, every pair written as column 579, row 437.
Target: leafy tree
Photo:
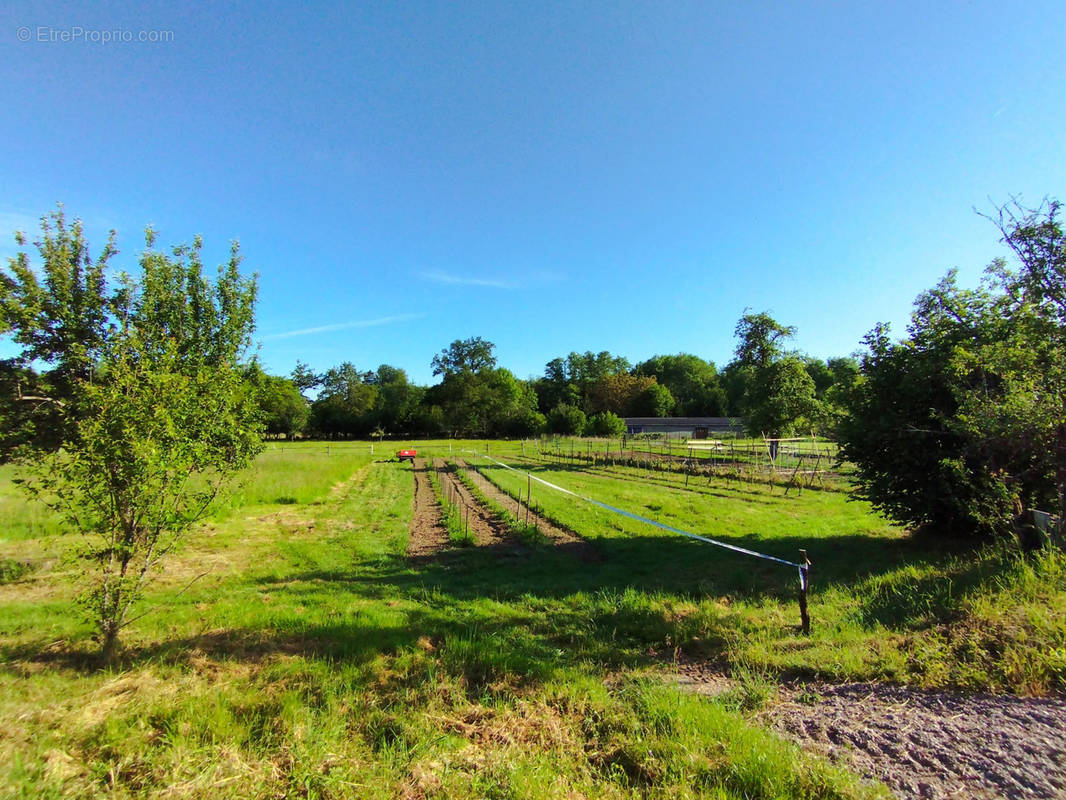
column 779, row 397
column 778, row 391
column 285, row 412
column 473, row 355
column 735, row 378
column 477, row 398
column 844, row 371
column 60, row 319
column 832, row 378
column 693, row 382
column 820, row 374
column 153, row 411
column 555, row 387
column 345, row 405
column 760, row 337
column 567, row 420
column 618, row 394
column 605, row 424
column 304, row 378
column 27, row 417
column 525, row 421
column 962, row 424
column 397, row 398
column 652, row 401
column 573, row 381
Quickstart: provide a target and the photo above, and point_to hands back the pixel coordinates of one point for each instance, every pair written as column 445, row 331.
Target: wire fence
column 803, row 568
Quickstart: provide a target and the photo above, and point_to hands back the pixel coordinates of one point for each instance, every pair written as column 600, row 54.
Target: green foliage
column 477, row 398
column 155, row 414
column 473, row 355
column 303, row 378
column 12, row 569
column 780, row 395
column 605, row 424
column 284, row 410
column 759, row 339
column 962, row 424
column 620, row 394
column 693, row 382
column 572, row 381
column 567, row 420
column 778, row 392
column 652, row 401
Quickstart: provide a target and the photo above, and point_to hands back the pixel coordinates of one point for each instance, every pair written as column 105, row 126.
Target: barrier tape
column 802, row 567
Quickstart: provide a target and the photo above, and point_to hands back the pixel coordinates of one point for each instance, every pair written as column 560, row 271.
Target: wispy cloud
column 340, row 326
column 436, row 276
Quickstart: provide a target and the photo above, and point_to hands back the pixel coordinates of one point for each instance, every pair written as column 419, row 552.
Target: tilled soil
column 935, row 744
column 487, row 530
column 922, row 744
column 427, row 533
column 562, row 538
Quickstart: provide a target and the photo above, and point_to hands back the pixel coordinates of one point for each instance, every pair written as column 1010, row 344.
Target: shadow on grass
column 930, row 592
column 521, row 613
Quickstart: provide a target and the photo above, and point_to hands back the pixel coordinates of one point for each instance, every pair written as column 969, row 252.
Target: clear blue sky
column 550, row 176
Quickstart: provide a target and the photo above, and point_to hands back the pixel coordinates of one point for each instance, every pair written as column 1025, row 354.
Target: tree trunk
column 109, row 647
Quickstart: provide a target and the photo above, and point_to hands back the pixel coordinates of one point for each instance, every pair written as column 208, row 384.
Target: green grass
column 20, row 517
column 294, row 474
column 313, row 659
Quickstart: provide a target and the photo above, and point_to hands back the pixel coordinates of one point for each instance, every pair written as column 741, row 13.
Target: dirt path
column 427, row 533
column 487, row 530
column 935, row 744
column 922, row 744
column 562, row 538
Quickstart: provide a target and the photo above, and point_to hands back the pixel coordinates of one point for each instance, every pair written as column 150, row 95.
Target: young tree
column 154, row 413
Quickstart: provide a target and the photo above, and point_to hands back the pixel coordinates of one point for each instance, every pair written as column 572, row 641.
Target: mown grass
column 315, row 660
column 885, row 607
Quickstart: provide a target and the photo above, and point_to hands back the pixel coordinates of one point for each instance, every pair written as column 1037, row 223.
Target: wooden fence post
column 805, row 580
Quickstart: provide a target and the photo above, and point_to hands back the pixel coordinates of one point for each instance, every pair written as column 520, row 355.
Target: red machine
column 406, row 455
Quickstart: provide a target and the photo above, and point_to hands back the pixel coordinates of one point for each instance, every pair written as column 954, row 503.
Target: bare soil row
column 559, row 536
column 429, row 535
column 921, row 744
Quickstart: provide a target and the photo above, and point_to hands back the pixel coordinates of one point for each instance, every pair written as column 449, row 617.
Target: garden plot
column 482, row 525
column 558, row 535
column 427, row 532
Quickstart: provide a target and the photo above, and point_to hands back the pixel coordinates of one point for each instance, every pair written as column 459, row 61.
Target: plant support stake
column 805, row 579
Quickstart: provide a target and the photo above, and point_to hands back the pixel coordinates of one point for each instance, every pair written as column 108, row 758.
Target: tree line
column 777, row 390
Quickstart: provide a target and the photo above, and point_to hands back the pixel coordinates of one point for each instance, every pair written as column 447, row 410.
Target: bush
column 962, row 424
column 606, row 424
column 567, row 420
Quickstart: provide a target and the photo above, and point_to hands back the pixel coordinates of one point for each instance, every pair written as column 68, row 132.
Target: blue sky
column 550, row 176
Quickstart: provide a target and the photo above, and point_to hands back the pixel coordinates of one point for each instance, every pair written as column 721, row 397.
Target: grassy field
column 292, row 650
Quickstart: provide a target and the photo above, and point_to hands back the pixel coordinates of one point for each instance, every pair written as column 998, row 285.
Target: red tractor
column 406, row 455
